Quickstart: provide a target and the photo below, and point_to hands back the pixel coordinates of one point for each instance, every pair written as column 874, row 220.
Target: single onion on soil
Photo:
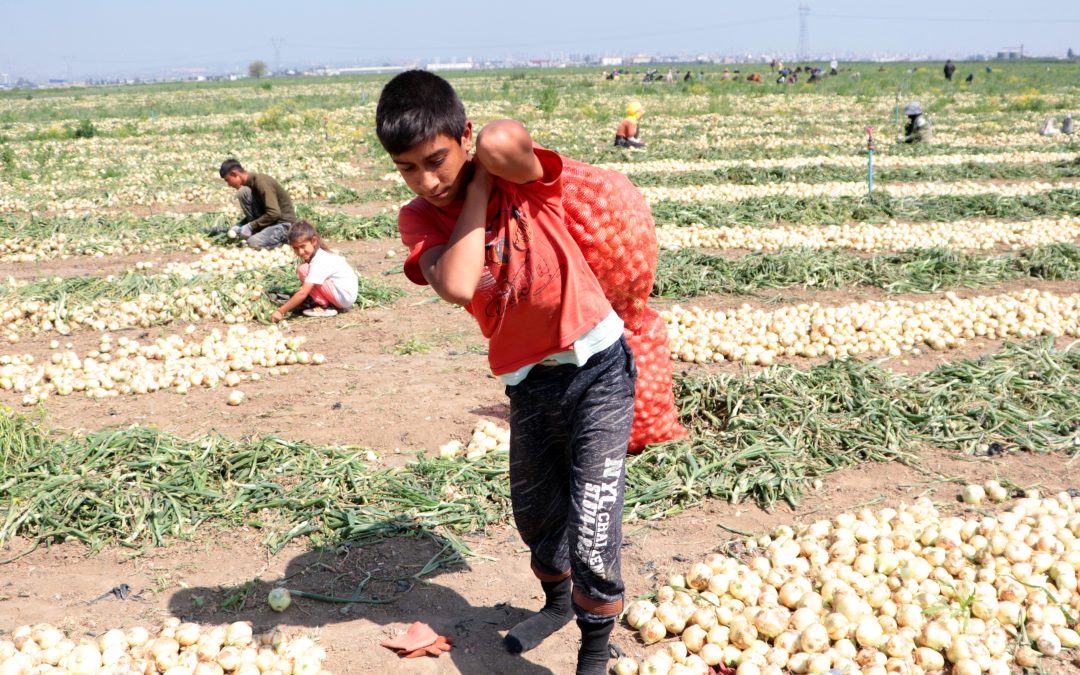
column 279, row 599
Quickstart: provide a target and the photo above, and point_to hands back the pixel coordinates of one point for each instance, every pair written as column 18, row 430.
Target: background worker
column 268, row 209
column 1048, row 128
column 917, row 129
column 627, row 135
column 950, row 68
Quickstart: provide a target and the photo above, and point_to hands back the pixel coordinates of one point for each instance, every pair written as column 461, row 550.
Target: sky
column 94, row 38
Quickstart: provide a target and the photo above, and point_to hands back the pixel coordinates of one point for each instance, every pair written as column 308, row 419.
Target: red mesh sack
column 613, row 226
column 655, row 416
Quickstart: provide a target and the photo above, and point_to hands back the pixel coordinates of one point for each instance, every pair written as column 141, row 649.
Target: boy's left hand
column 276, row 316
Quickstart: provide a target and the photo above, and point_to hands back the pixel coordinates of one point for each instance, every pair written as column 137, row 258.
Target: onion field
column 881, row 388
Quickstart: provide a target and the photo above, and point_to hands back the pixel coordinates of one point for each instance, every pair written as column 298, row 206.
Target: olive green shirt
column 271, row 200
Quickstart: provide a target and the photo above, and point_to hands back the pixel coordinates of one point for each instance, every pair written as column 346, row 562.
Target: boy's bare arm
column 454, row 269
column 505, row 148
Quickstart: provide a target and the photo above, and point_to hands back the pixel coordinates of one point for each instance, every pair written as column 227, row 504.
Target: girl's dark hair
column 417, row 106
column 302, row 230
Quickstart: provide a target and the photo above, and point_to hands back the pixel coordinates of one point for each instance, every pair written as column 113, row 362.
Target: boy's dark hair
column 302, row 230
column 417, row 106
column 228, row 166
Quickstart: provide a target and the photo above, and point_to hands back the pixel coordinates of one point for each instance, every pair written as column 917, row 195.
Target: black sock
column 555, row 614
column 593, row 654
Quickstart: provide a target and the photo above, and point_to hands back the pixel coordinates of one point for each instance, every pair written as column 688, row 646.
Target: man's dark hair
column 417, row 106
column 229, row 165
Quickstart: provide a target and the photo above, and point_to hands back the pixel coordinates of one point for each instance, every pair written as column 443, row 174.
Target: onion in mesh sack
column 613, row 226
column 655, row 417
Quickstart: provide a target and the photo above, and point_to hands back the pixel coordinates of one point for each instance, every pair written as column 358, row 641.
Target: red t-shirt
column 536, row 295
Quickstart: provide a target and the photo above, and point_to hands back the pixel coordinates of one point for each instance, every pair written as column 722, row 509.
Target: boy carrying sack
column 489, row 233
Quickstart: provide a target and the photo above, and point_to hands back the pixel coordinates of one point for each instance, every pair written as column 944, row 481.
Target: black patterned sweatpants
column 569, row 429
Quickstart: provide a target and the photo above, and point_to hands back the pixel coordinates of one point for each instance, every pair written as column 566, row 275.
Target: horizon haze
column 78, row 40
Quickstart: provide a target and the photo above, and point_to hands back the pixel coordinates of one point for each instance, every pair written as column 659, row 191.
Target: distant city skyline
column 73, row 39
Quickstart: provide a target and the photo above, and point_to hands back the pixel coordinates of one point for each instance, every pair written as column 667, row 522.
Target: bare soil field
column 402, row 379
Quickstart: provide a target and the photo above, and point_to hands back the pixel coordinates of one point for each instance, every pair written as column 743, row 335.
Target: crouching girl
column 327, row 281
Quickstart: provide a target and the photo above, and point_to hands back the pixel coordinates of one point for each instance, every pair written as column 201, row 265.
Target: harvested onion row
column 177, row 648
column 730, row 192
column 893, row 236
column 73, row 184
column 129, row 367
column 58, row 245
column 36, row 316
column 904, row 590
column 843, row 139
column 231, row 260
column 843, row 161
column 890, row 327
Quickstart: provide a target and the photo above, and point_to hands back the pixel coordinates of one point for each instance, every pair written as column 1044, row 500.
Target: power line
column 940, row 19
column 277, row 42
column 174, row 59
column 511, row 45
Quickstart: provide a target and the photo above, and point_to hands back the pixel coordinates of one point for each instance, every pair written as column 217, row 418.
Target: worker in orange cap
column 627, row 135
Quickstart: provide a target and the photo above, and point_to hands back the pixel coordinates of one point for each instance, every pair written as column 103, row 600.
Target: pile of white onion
column 757, row 336
column 175, row 649
column 961, row 234
column 37, row 316
column 172, row 362
column 486, row 437
column 730, row 192
column 904, row 590
column 231, row 260
column 26, row 249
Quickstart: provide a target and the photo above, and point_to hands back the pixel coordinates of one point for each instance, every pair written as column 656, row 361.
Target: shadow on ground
column 392, row 583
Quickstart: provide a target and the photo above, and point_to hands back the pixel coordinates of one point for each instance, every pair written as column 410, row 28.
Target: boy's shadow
column 391, row 578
